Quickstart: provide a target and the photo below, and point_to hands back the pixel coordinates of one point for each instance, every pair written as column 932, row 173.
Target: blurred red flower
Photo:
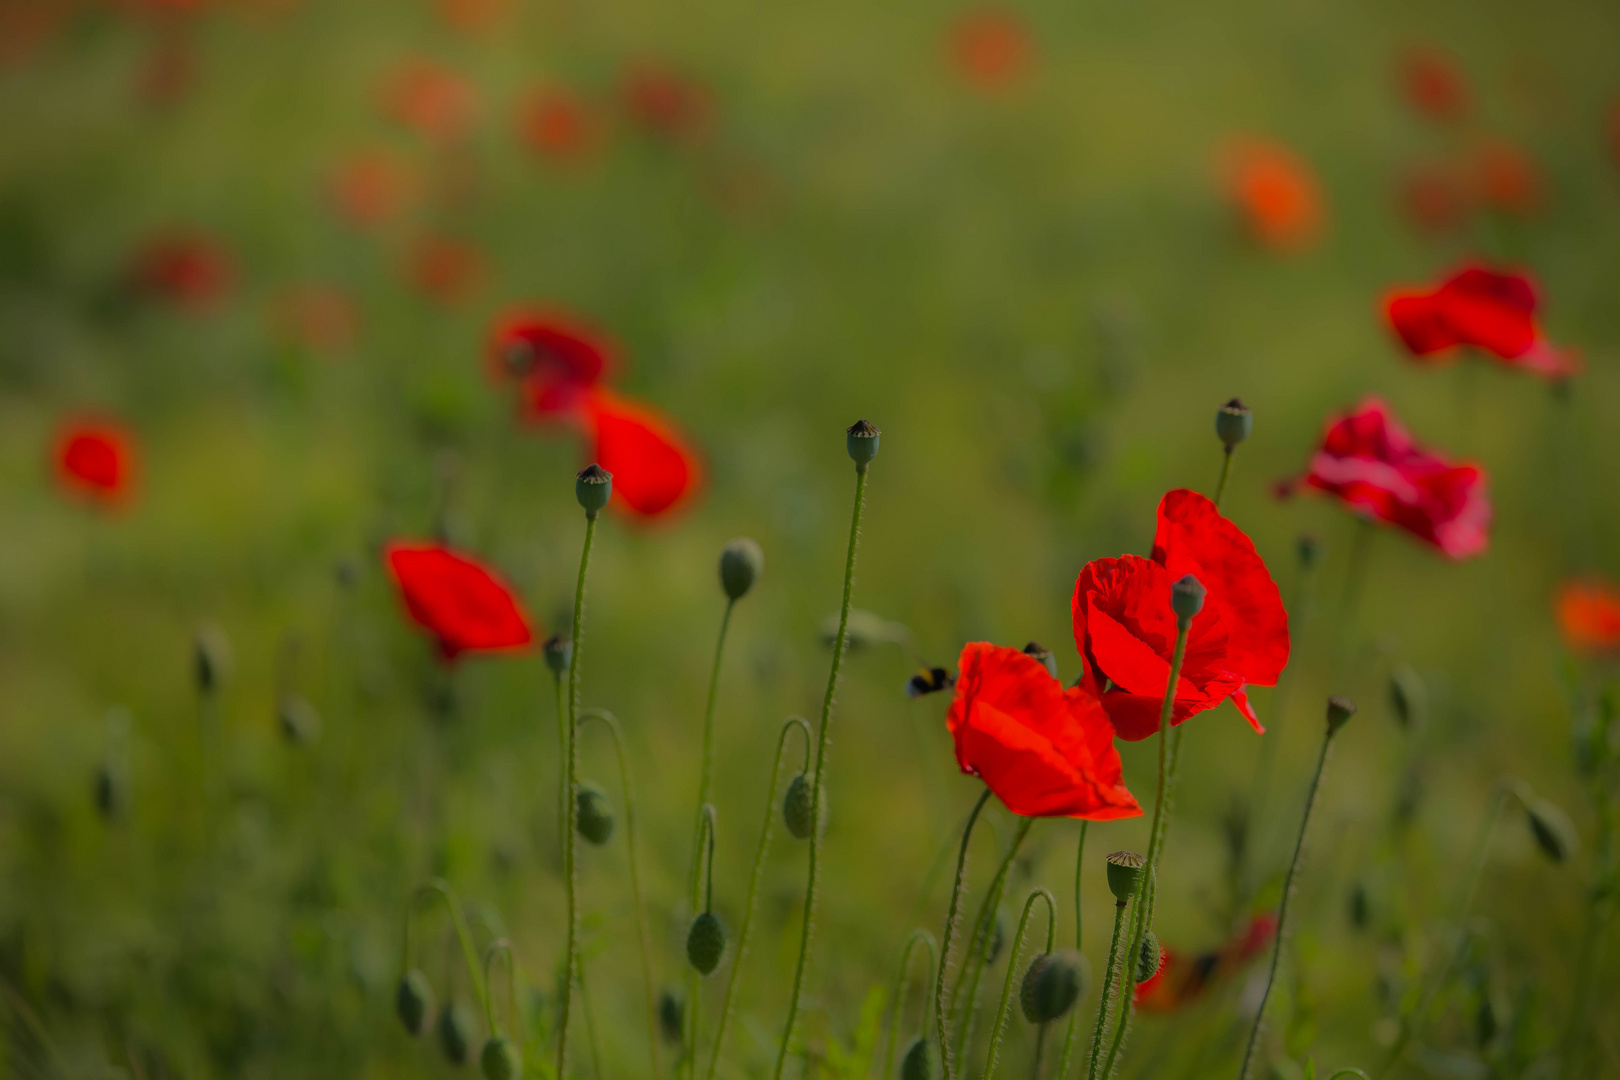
column 558, row 126
column 472, row 16
column 370, row 187
column 664, row 102
column 1508, row 178
column 461, row 603
column 991, row 49
column 1589, row 615
column 1045, row 751
column 1489, row 309
column 1277, row 194
column 555, row 359
column 1126, row 632
column 1181, row 980
column 1432, row 85
column 1432, row 199
column 188, row 269
column 316, row 317
column 1369, row 461
column 430, row 99
column 168, row 72
column 654, row 470
column 445, row 269
column 96, row 458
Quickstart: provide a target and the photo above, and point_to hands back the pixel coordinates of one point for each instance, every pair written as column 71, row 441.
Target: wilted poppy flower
column 991, row 49
column 654, row 470
column 1126, row 631
column 1488, row 309
column 1045, row 751
column 1369, row 461
column 664, row 102
column 370, row 187
column 1277, row 194
column 429, row 98
column 445, row 269
column 1589, row 615
column 185, row 268
column 1182, row 979
column 555, row 359
column 1432, row 85
column 316, row 317
column 558, row 126
column 96, row 458
column 1508, row 179
column 464, row 606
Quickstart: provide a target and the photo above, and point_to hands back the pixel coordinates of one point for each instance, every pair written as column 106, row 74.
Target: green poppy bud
column 413, row 1001
column 1147, row 960
column 1187, row 599
column 593, row 487
column 1310, row 550
column 1339, row 709
column 741, row 563
column 671, row 1015
column 1406, row 695
column 211, row 658
column 1051, row 986
column 458, row 1026
column 918, row 1064
column 1124, row 874
column 501, row 1059
column 862, row 441
column 559, row 652
column 1044, row 655
column 1233, row 422
column 797, row 809
column 594, row 814
column 298, row 720
column 705, row 942
column 1555, row 834
column 996, row 940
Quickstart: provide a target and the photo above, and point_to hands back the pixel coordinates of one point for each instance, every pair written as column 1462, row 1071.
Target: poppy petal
column 654, row 470
column 456, row 599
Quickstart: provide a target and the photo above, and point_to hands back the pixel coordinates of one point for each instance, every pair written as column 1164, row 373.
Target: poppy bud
column 1360, row 906
column 996, row 940
column 796, row 808
column 211, row 657
column 862, row 441
column 1053, row 983
column 501, row 1059
column 1124, row 874
column 1147, row 961
column 413, row 1001
column 705, row 942
column 1186, row 600
column 929, row 680
column 918, row 1064
column 1233, row 422
column 594, row 814
column 671, row 1015
column 593, row 487
column 457, row 1029
column 1044, row 655
column 741, row 563
column 559, row 653
column 299, row 721
column 1339, row 709
column 1555, row 834
column 1310, row 549
column 109, row 792
column 1406, row 695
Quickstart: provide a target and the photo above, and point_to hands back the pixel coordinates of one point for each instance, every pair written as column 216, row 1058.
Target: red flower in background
column 1369, row 461
column 990, row 49
column 1182, row 979
column 316, row 317
column 654, row 470
column 664, row 102
column 1126, row 631
column 1488, row 309
column 1432, row 85
column 1509, row 179
column 555, row 359
column 445, row 269
column 1589, row 615
column 187, row 269
column 558, row 126
column 429, row 98
column 1432, row 199
column 464, row 606
column 1277, row 194
column 370, row 187
column 96, row 458
column 1045, row 751
column 472, row 16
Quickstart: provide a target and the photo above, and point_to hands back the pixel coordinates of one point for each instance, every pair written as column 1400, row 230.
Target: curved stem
column 984, row 922
column 916, row 937
column 1105, row 1005
column 1226, row 471
column 501, row 947
column 1000, row 1026
column 1350, row 1071
column 643, row 934
column 946, row 1062
column 793, row 723
column 570, row 808
column 840, row 643
column 441, row 888
column 706, row 783
column 1074, row 1014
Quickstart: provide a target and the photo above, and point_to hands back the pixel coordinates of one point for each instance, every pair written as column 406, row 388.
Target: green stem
column 984, row 921
column 441, row 888
column 896, row 1015
column 1105, row 1005
column 793, row 723
column 702, row 889
column 1040, row 1049
column 1349, row 1071
column 947, row 1063
column 1288, row 891
column 1226, row 471
column 570, row 809
column 1000, row 1027
column 501, row 947
column 1074, row 1014
column 1355, row 576
column 817, row 792
column 706, row 784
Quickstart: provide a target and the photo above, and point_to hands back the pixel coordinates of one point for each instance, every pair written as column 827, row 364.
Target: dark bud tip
column 211, row 658
column 705, row 942
column 413, row 1001
column 593, row 814
column 457, row 1026
column 1187, row 600
column 1147, row 961
column 861, row 438
column 1124, row 874
column 501, row 1059
column 918, row 1064
column 1339, row 709
column 559, row 653
column 671, row 1016
column 1051, row 986
column 593, row 487
column 741, row 563
column 1555, row 834
column 797, row 810
column 1044, row 655
column 299, row 722
column 1233, row 423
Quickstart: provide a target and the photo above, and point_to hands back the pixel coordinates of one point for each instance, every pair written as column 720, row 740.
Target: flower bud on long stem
column 1000, row 1026
column 897, row 1012
column 946, row 1060
column 1079, row 941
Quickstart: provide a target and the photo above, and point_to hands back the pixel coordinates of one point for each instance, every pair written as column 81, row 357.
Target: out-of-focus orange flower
column 317, row 317
column 1589, row 615
column 1432, row 85
column 25, row 27
column 186, row 268
column 471, row 16
column 557, row 125
column 446, row 269
column 990, row 49
column 667, row 103
column 429, row 98
column 168, row 72
column 1508, row 178
column 1433, row 199
column 370, row 187
column 96, row 458
column 1276, row 192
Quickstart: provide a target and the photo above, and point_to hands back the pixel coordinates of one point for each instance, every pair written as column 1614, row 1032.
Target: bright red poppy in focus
column 654, row 470
column 1488, row 309
column 1181, row 980
column 1371, row 463
column 991, row 49
column 1277, row 193
column 1045, row 751
column 1432, row 85
column 96, row 458
column 1126, row 631
column 1589, row 615
column 464, row 606
column 555, row 359
column 186, row 268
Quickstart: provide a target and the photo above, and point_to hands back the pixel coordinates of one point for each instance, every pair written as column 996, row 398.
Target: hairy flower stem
column 1111, row 976
column 702, row 897
column 501, row 947
column 1287, row 894
column 817, row 792
column 570, row 807
column 984, row 923
column 706, row 781
column 947, row 1061
column 1000, row 1027
column 793, row 723
column 1079, row 939
column 897, row 1014
column 441, row 888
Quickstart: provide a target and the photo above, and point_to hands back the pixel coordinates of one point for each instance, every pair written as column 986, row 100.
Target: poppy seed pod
column 1233, row 422
column 501, row 1059
column 1051, row 986
column 1124, row 874
column 741, row 563
column 1186, row 599
column 211, row 658
column 1147, row 960
column 594, row 814
column 1044, row 655
column 1555, row 834
column 797, row 808
column 457, row 1029
column 918, row 1064
column 1406, row 695
column 861, row 438
column 559, row 653
column 671, row 1015
column 593, row 487
column 705, row 942
column 413, row 1001
column 298, row 720
column 1339, row 709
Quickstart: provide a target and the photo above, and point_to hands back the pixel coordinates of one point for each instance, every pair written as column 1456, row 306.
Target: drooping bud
column 861, row 439
column 501, row 1059
column 1147, row 960
column 1124, row 874
column 1044, row 655
column 929, row 680
column 593, row 487
column 918, row 1064
column 559, row 652
column 298, row 720
column 1339, row 709
column 741, row 563
column 413, row 1001
column 797, row 811
column 1406, row 695
column 1233, row 422
column 671, row 1015
column 1051, row 986
column 705, row 942
column 996, row 939
column 593, row 814
column 1186, row 599
column 458, row 1026
column 1310, row 550
column 211, row 658
column 1555, row 834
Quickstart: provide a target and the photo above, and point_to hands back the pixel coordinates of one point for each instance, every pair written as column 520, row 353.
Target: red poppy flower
column 429, row 98
column 555, row 359
column 1181, row 980
column 1488, row 309
column 1589, row 615
column 445, row 269
column 1508, row 178
column 370, row 188
column 991, row 49
column 316, row 317
column 1126, row 632
column 654, row 471
column 168, row 72
column 558, row 126
column 96, row 458
column 472, row 16
column 1370, row 462
column 1432, row 85
column 1045, row 751
column 1432, row 199
column 1277, row 194
column 464, row 606
column 664, row 102
column 186, row 268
